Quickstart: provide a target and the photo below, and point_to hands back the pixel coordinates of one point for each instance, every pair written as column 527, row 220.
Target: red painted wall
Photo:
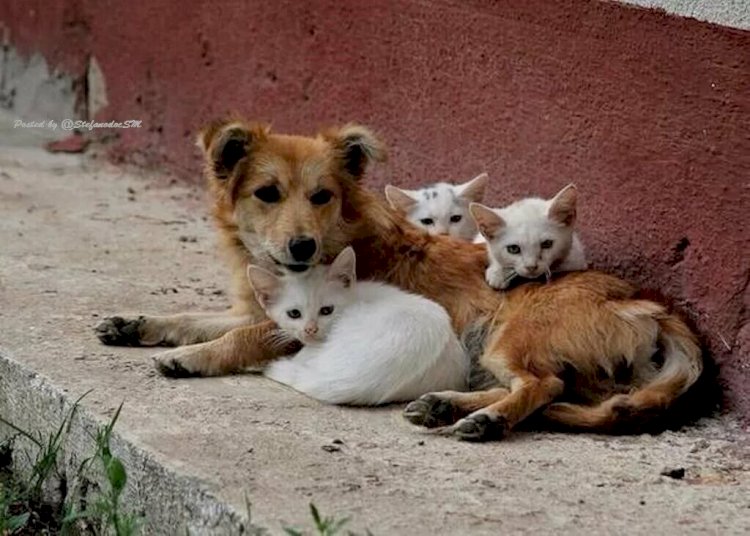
column 649, row 114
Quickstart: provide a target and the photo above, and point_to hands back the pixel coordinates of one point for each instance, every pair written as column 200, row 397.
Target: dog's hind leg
column 242, row 347
column 173, row 330
column 528, row 394
column 446, row 407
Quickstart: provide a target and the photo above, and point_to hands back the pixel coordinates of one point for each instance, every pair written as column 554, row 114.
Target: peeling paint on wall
column 33, row 91
column 97, row 89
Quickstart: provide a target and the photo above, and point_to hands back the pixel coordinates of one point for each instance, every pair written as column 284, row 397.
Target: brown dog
column 296, row 201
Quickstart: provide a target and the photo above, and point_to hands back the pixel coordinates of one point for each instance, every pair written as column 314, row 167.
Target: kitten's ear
column 344, row 268
column 563, row 207
column 265, row 284
column 488, row 221
column 474, row 189
column 399, row 199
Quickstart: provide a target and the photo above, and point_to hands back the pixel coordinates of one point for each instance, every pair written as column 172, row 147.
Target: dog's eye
column 327, row 310
column 321, row 197
column 426, row 221
column 294, row 314
column 546, row 244
column 268, row 194
column 456, row 218
column 513, row 249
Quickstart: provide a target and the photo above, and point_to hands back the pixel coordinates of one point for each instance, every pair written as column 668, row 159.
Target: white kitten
column 442, row 208
column 365, row 343
column 531, row 237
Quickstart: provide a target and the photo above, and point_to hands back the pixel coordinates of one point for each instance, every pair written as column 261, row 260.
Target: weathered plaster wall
column 648, row 113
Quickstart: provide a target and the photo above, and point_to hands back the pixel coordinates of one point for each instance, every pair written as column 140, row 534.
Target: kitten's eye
column 321, row 197
column 456, row 218
column 546, row 244
column 513, row 249
column 327, row 310
column 268, row 194
column 293, row 314
column 426, row 221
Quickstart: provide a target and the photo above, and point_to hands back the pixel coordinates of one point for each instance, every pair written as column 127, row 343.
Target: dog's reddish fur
column 586, row 321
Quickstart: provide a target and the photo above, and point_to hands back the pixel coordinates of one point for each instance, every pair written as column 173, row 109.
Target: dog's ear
column 488, row 221
column 226, row 143
column 265, row 284
column 344, row 268
column 563, row 207
column 473, row 190
column 399, row 199
column 356, row 147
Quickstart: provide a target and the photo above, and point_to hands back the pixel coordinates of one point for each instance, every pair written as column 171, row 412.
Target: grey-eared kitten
column 442, row 208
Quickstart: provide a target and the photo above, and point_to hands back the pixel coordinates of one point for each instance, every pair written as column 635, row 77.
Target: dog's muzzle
column 297, row 267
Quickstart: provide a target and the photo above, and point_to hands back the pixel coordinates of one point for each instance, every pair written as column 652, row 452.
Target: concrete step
column 80, row 239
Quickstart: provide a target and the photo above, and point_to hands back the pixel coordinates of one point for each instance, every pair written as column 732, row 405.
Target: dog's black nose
column 302, row 248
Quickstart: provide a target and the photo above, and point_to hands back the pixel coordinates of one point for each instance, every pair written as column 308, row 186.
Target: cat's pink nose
column 311, row 329
column 532, row 267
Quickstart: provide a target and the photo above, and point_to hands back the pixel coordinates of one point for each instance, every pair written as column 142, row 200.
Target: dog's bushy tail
column 647, row 407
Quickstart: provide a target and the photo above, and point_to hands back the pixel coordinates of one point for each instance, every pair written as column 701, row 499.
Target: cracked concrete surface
column 80, row 239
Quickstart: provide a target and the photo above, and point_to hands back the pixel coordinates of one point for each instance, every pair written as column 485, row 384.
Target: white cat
column 365, row 343
column 442, row 208
column 530, row 237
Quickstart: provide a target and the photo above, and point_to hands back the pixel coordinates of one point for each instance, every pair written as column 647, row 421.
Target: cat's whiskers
column 511, row 275
column 279, row 338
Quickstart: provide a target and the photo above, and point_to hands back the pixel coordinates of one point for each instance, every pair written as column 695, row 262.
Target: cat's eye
column 456, row 218
column 268, row 194
column 546, row 244
column 513, row 249
column 294, row 314
column 426, row 221
column 321, row 197
column 327, row 310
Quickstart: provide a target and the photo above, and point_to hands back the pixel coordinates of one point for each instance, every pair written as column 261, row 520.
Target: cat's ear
column 344, row 268
column 265, row 284
column 474, row 189
column 488, row 221
column 563, row 207
column 399, row 199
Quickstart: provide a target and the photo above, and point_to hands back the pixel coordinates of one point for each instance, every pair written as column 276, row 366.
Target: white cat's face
column 305, row 306
column 530, row 236
column 441, row 209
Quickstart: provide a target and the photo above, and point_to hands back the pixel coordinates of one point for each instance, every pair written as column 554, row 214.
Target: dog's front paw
column 430, row 411
column 481, row 427
column 119, row 331
column 177, row 363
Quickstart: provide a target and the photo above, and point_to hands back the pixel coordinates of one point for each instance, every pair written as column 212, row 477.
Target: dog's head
column 286, row 196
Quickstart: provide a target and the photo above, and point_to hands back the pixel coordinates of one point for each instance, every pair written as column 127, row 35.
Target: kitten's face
column 441, row 209
column 308, row 305
column 529, row 236
column 531, row 247
column 305, row 306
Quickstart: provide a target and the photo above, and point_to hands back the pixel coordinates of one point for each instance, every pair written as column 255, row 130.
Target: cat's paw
column 495, row 278
column 481, row 427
